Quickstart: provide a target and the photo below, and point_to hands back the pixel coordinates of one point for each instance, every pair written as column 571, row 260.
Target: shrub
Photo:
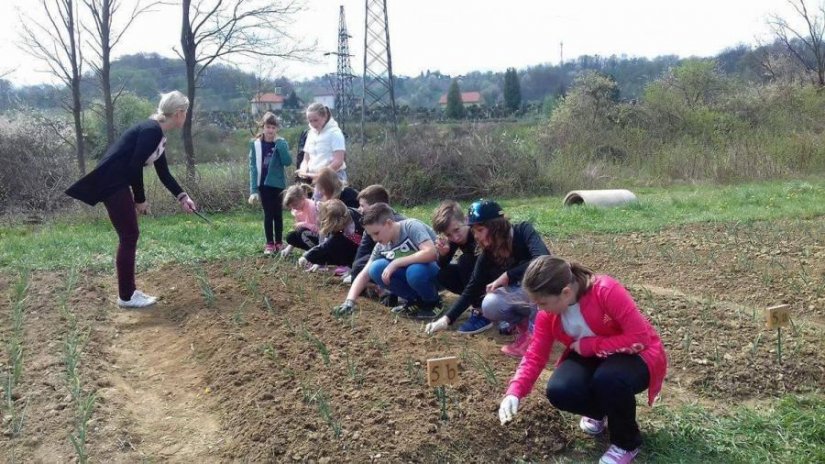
column 459, row 162
column 38, row 164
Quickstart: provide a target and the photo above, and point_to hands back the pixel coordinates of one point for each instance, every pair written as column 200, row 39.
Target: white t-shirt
column 157, row 153
column 321, row 146
column 574, row 324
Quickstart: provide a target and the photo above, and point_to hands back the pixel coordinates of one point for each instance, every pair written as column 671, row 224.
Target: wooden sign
column 778, row 316
column 442, row 371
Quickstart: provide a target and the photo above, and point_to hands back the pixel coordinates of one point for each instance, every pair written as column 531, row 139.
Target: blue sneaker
column 475, row 324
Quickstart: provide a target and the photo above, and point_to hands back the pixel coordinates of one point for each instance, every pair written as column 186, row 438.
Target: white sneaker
column 138, row 300
column 592, row 426
column 347, row 279
column 616, row 455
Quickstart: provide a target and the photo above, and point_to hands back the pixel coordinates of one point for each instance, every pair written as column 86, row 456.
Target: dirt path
column 162, row 390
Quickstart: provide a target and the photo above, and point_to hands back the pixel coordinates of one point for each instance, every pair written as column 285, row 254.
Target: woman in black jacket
column 506, row 251
column 117, row 181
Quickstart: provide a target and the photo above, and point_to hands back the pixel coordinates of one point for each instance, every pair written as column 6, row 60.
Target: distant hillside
column 229, row 89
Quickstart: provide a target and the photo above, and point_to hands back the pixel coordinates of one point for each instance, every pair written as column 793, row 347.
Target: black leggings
column 273, row 213
column 302, row 238
column 599, row 387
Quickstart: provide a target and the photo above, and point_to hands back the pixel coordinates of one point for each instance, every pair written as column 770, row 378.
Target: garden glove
column 345, row 309
column 286, row 251
column 253, row 198
column 302, row 262
column 508, row 409
column 440, row 324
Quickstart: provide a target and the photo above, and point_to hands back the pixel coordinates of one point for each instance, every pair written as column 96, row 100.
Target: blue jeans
column 416, row 282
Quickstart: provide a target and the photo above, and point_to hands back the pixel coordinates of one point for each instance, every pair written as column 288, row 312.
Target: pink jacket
column 612, row 315
column 307, row 215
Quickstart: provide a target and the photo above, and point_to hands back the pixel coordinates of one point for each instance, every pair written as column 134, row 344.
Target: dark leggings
column 599, row 387
column 273, row 213
column 302, row 238
column 121, row 208
column 454, row 277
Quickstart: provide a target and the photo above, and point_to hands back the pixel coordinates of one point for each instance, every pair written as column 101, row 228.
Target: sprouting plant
column 268, row 305
column 353, row 373
column 85, row 408
column 269, row 351
column 756, row 344
column 441, row 395
column 319, row 344
column 415, row 372
column 14, row 351
column 378, row 344
column 205, row 286
column 486, row 369
column 237, row 316
column 325, row 411
column 687, row 340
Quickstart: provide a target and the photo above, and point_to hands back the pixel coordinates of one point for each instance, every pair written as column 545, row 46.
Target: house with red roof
column 468, row 98
column 263, row 102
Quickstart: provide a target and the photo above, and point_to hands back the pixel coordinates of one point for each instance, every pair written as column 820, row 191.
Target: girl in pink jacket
column 304, row 234
column 612, row 353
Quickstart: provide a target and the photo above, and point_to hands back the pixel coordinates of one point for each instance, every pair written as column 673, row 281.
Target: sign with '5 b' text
column 442, row 371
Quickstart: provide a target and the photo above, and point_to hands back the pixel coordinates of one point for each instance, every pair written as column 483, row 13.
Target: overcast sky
column 458, row 36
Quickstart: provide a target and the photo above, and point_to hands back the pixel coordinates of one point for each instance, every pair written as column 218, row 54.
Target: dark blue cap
column 483, row 211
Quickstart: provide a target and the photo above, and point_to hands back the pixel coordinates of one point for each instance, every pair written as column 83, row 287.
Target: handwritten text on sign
column 778, row 316
column 442, row 371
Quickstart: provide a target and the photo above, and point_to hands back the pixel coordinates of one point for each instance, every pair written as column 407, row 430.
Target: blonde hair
column 447, row 212
column 169, row 104
column 320, row 109
column 333, row 217
column 296, row 194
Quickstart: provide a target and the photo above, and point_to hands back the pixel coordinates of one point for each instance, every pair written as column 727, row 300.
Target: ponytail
column 548, row 275
column 169, row 104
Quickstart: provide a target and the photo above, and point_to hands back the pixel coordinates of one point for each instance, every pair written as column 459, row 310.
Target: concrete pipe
column 605, row 198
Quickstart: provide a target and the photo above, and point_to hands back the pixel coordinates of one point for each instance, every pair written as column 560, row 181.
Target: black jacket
column 527, row 244
column 122, row 166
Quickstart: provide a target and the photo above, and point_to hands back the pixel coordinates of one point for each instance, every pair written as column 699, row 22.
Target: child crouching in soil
column 612, row 353
column 341, row 234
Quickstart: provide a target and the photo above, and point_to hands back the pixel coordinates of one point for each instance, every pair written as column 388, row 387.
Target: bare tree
column 804, row 45
column 222, row 29
column 55, row 40
column 105, row 36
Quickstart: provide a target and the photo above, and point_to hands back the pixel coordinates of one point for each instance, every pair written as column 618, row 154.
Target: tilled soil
column 261, row 372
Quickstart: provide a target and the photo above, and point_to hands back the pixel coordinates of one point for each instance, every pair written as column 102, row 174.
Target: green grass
column 90, row 244
column 659, row 208
column 792, row 431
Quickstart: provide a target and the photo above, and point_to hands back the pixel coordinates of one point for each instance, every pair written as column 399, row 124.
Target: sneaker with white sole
column 138, row 300
column 592, row 426
column 616, row 455
column 475, row 324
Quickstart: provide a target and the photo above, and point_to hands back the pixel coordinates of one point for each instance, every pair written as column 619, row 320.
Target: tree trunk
column 188, row 47
column 105, row 72
column 80, row 149
column 75, row 84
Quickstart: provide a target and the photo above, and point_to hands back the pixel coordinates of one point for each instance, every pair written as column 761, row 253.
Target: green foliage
column 292, row 101
column 129, row 110
column 512, row 90
column 455, row 106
